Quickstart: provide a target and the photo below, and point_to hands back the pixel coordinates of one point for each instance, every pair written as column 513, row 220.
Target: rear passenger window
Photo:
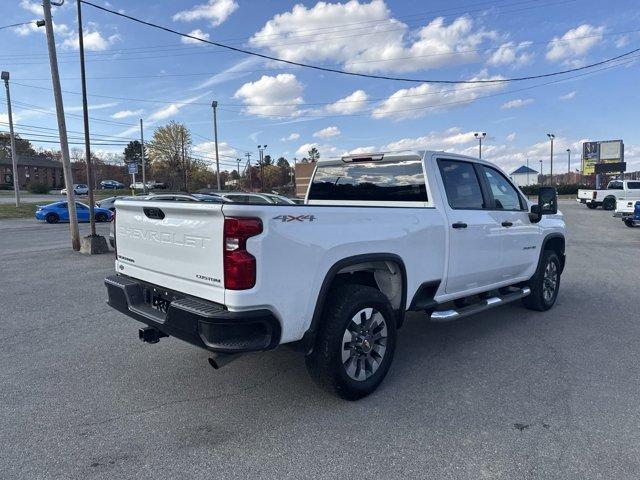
column 461, row 184
column 371, row 181
column 504, row 194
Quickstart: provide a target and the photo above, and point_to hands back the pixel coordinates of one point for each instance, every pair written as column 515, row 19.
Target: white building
column 524, row 176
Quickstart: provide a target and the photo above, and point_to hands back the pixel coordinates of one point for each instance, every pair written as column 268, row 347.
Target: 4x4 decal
column 295, row 218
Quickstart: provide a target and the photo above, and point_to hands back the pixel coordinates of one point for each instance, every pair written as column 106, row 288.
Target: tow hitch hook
column 151, row 334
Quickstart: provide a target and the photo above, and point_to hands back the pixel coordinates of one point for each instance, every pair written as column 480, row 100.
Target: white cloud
column 567, row 96
column 516, row 103
column 327, row 132
column 126, row 114
column 434, row 141
column 293, row 136
column 208, row 149
column 215, row 11
column 303, row 150
column 272, row 96
column 623, row 41
column 353, row 103
column 235, row 71
column 198, row 34
column 94, row 106
column 511, row 53
column 385, row 44
column 418, row 101
column 33, row 7
column 511, row 137
column 361, row 150
column 574, row 44
column 93, row 39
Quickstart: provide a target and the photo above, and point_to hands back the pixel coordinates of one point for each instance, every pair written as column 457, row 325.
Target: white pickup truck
column 378, row 235
column 616, row 190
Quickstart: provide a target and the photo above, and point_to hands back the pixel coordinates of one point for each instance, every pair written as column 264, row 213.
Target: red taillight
column 594, row 195
column 239, row 265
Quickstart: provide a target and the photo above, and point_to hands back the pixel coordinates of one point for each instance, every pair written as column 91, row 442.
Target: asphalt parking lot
column 507, row 394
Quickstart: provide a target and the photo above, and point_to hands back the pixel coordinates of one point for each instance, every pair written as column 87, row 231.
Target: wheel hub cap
column 364, row 344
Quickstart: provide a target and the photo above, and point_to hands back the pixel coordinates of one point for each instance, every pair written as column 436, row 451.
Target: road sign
column 133, row 168
column 611, row 167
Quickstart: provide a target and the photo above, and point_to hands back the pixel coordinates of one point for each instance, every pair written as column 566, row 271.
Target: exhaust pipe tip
column 219, row 360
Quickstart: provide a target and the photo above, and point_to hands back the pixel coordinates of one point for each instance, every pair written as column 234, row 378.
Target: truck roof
column 389, row 156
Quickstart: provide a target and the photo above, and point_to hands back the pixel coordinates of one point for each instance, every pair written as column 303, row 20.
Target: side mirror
column 548, row 200
column 536, row 214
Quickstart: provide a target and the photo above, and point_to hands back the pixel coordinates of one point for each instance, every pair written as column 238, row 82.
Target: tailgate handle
column 153, row 212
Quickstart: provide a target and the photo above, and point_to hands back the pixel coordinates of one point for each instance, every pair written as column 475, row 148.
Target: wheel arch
column 350, row 265
column 555, row 242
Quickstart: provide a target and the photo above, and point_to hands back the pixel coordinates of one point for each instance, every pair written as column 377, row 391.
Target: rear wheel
column 609, row 203
column 101, row 217
column 545, row 283
column 355, row 343
column 52, row 218
column 592, row 205
column 629, row 222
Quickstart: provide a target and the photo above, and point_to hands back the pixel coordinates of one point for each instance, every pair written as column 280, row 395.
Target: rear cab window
column 633, row 185
column 396, row 182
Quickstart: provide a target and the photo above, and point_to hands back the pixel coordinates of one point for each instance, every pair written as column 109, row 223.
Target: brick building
column 32, row 169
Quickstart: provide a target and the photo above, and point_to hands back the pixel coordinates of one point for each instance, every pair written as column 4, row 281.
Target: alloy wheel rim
column 549, row 281
column 364, row 344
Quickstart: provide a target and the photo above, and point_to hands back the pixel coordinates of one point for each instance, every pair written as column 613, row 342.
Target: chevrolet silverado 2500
column 378, row 235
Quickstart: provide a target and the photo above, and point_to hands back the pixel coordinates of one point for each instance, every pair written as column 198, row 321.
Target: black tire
column 592, row 206
column 539, row 299
column 629, row 222
column 101, row 217
column 326, row 363
column 609, row 203
column 52, row 218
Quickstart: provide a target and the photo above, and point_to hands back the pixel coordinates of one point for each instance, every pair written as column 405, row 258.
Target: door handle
column 507, row 224
column 459, row 225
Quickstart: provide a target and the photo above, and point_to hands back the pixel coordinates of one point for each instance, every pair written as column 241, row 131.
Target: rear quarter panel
column 300, row 244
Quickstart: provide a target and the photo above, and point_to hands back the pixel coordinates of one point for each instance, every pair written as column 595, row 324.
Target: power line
column 17, row 24
column 355, row 74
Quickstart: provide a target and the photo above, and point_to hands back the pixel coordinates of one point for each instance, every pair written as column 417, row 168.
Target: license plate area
column 158, row 299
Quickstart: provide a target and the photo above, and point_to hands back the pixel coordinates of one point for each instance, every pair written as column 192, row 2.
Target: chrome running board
column 481, row 306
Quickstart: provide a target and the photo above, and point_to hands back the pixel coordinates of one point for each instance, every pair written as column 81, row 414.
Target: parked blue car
column 59, row 212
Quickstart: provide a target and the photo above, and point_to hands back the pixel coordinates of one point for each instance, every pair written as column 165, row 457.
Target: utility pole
column 85, row 116
column 551, row 137
column 248, row 155
column 14, row 155
column 541, row 174
column 144, row 174
column 480, row 137
column 214, row 104
column 62, row 126
column 261, row 151
column 184, row 162
column 238, row 162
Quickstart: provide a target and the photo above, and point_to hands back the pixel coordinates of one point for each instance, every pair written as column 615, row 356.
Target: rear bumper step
column 205, row 324
column 492, row 302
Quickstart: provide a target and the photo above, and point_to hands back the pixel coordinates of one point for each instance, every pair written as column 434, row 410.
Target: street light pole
column 62, row 126
column 541, row 174
column 568, row 161
column 261, row 151
column 144, row 174
column 551, row 137
column 14, row 155
column 214, row 104
column 480, row 137
column 248, row 155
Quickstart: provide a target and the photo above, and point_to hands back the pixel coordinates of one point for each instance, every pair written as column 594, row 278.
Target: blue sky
column 138, row 72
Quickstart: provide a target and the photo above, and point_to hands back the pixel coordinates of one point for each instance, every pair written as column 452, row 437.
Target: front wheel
column 592, row 206
column 545, row 283
column 52, row 218
column 101, row 217
column 355, row 343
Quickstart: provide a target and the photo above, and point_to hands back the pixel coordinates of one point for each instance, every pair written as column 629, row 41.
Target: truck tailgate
column 177, row 245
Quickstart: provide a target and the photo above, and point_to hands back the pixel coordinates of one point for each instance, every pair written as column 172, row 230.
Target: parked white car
column 616, row 190
column 78, row 189
column 378, row 235
column 259, row 198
